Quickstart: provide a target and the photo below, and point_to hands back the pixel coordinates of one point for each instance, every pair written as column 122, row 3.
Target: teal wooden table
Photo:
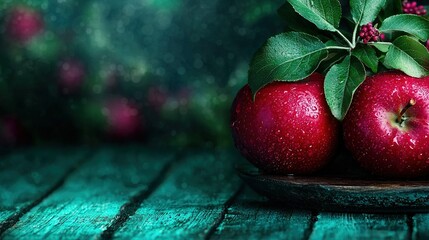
column 133, row 192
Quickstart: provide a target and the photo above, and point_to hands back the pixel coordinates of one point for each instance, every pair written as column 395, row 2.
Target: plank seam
column 129, row 209
column 312, row 222
column 410, row 225
column 225, row 211
column 14, row 218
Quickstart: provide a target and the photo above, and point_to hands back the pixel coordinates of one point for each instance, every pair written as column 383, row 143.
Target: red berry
column 368, row 33
column 413, row 8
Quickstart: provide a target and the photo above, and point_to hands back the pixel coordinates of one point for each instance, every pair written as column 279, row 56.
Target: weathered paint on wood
column 360, row 226
column 253, row 217
column 197, row 199
column 190, row 201
column 28, row 174
column 92, row 196
column 420, row 226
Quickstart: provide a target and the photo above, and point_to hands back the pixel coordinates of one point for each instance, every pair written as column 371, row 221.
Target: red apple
column 71, row 75
column 23, row 23
column 288, row 129
column 387, row 126
column 123, row 118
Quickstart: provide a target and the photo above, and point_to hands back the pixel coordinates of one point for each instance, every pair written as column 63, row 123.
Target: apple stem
column 401, row 119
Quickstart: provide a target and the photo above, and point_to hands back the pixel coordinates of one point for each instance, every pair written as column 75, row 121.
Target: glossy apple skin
column 371, row 133
column 288, row 129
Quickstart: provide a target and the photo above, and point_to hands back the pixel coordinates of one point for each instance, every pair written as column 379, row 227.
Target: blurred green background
column 153, row 71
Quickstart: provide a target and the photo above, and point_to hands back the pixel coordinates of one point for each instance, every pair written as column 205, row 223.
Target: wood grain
column 360, row 226
column 28, row 174
column 197, row 197
column 92, row 196
column 341, row 194
column 421, row 226
column 254, row 217
column 190, row 201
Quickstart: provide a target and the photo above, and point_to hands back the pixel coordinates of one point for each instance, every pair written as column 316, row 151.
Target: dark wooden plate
column 330, row 192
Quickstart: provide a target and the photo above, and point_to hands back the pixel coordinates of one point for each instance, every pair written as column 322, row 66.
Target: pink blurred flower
column 123, row 117
column 71, row 75
column 23, row 23
column 11, row 131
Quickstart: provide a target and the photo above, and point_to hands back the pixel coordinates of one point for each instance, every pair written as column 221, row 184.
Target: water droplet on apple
column 238, row 108
column 395, row 140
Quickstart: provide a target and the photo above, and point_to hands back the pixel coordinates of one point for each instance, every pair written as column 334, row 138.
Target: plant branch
column 380, row 43
column 345, row 39
column 355, row 34
column 400, row 118
column 338, row 48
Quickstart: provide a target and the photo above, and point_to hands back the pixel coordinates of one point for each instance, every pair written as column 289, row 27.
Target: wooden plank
column 360, row 226
column 420, row 226
column 191, row 201
column 28, row 174
column 92, row 196
column 253, row 217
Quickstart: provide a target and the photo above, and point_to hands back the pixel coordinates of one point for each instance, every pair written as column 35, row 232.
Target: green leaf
column 408, row 55
column 295, row 22
column 392, row 7
column 290, row 56
column 331, row 60
column 341, row 83
column 332, row 43
column 365, row 11
column 409, row 23
column 382, row 46
column 325, row 14
column 367, row 55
